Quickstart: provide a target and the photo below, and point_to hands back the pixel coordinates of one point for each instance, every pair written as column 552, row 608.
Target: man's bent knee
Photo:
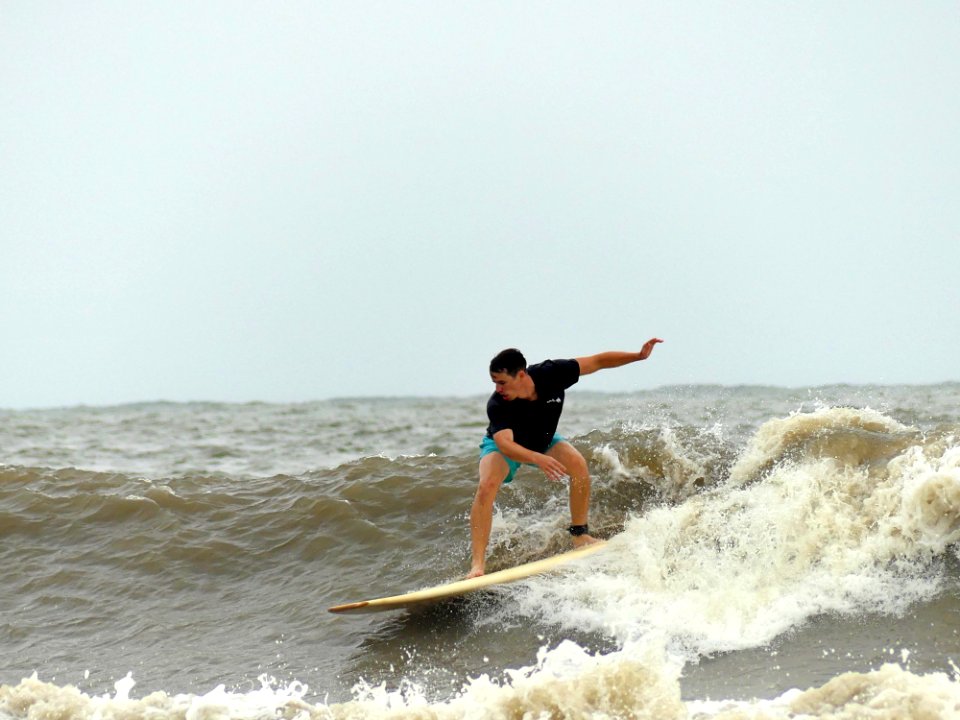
column 571, row 458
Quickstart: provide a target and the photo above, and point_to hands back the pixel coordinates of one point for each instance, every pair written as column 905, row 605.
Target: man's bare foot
column 474, row 572
column 582, row 540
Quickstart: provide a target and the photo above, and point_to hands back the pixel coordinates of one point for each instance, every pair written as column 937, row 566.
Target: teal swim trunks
column 489, row 445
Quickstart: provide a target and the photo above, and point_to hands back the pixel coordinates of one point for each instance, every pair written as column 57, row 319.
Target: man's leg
column 579, row 486
column 493, row 471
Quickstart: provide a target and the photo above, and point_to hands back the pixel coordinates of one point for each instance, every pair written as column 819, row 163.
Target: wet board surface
column 462, row 587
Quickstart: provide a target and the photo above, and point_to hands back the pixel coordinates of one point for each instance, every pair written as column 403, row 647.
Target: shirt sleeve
column 571, row 372
column 562, row 373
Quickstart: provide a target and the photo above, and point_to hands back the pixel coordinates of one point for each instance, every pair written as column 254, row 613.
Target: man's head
column 509, row 361
column 508, row 370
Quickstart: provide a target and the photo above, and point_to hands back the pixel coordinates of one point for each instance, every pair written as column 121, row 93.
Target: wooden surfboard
column 462, row 587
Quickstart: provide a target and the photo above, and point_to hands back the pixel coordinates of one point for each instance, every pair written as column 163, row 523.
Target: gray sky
column 291, row 201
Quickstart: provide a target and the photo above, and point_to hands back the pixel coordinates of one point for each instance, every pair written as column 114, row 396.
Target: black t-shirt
column 534, row 422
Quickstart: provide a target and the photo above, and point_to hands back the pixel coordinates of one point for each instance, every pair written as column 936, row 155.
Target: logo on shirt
column 554, row 400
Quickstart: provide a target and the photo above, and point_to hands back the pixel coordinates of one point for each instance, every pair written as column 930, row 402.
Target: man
column 524, row 412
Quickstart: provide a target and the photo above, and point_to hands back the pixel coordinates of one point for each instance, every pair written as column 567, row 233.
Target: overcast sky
column 290, row 201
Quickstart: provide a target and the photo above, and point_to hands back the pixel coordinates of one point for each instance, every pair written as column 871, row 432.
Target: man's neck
column 530, row 389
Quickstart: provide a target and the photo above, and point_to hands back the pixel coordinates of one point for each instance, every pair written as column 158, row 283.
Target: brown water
column 763, row 540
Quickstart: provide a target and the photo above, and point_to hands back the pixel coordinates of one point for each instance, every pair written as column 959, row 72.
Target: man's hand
column 551, row 467
column 648, row 347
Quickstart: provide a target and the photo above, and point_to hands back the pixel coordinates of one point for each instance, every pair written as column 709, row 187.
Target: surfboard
column 462, row 587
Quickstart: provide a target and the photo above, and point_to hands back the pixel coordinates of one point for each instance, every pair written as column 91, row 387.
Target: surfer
column 524, row 411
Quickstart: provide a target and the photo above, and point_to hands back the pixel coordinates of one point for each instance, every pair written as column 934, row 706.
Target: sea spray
column 735, row 566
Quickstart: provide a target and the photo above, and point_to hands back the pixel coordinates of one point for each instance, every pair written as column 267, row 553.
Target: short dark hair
column 509, row 361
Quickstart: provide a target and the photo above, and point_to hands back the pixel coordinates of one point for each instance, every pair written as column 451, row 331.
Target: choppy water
column 774, row 553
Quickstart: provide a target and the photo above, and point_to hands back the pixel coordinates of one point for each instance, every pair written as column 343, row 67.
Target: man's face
column 507, row 386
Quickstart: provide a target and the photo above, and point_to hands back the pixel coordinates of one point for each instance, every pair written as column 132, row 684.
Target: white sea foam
column 566, row 682
column 775, row 436
column 888, row 693
column 734, row 567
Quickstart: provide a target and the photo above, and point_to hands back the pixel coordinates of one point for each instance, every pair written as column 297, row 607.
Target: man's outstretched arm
column 615, row 358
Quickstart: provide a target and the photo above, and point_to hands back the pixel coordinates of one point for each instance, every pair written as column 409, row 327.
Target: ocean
column 774, row 553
